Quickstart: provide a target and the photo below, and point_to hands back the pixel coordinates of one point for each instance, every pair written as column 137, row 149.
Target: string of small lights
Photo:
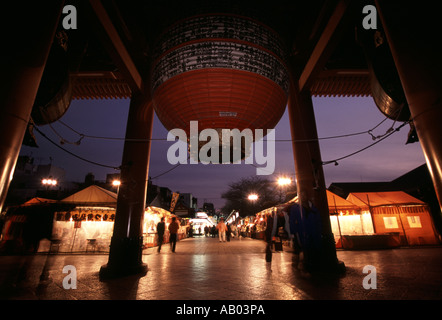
column 378, row 139
column 82, row 135
column 73, row 154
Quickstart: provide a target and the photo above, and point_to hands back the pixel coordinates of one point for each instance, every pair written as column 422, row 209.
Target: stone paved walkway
column 205, row 269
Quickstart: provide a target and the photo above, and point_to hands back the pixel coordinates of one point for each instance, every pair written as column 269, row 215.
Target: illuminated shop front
column 83, row 229
column 86, row 223
column 398, row 214
column 89, row 229
column 152, row 216
column 347, row 221
column 246, row 226
column 259, row 225
column 370, row 220
column 199, row 223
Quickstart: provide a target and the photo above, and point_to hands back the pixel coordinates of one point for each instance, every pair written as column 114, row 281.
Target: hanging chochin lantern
column 55, row 91
column 223, row 70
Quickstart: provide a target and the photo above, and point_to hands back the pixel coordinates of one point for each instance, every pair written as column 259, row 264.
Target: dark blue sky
column 335, row 116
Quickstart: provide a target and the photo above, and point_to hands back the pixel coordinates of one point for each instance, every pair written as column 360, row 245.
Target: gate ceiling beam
column 325, row 45
column 117, row 49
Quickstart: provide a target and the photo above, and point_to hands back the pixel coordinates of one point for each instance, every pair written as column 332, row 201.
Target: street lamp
column 49, row 182
column 283, row 181
column 116, row 183
column 253, row 197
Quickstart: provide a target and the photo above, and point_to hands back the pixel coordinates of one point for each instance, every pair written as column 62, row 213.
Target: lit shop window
column 414, row 221
column 390, row 223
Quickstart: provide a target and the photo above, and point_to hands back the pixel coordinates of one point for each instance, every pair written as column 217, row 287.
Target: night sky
column 385, row 161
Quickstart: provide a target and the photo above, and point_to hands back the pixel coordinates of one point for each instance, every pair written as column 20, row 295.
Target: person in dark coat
column 174, row 227
column 161, row 227
column 228, row 232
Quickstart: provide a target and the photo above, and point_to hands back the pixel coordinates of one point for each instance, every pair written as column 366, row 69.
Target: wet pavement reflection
column 205, row 269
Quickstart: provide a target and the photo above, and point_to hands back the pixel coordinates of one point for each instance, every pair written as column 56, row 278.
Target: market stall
column 152, row 216
column 348, row 221
column 247, row 226
column 370, row 220
column 87, row 229
column 200, row 222
column 259, row 224
column 88, row 225
column 24, row 226
column 397, row 213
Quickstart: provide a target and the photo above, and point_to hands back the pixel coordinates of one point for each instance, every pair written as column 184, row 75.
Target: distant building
column 158, row 196
column 27, row 181
column 110, row 177
column 161, row 197
column 182, row 210
column 186, row 205
column 188, row 200
column 209, row 208
column 89, row 179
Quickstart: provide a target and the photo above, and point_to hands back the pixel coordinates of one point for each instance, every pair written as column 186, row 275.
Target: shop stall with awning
column 371, row 220
column 25, row 226
column 200, row 222
column 348, row 221
column 259, row 224
column 398, row 213
column 88, row 225
column 153, row 215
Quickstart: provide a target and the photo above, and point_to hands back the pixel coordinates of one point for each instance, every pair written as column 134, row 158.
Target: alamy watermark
column 370, row 20
column 70, row 19
column 211, row 146
column 70, row 281
column 370, row 281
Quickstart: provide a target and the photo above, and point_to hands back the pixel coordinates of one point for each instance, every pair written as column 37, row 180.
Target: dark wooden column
column 413, row 31
column 125, row 256
column 26, row 42
column 320, row 253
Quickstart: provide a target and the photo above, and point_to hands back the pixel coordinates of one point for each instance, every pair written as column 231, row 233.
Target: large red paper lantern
column 223, row 70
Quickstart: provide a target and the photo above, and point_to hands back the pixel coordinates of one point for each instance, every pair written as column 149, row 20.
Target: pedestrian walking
column 234, row 230
column 228, row 232
column 174, row 226
column 191, row 230
column 222, row 228
column 161, row 227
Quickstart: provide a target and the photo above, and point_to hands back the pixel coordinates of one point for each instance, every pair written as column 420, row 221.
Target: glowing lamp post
column 116, row 183
column 284, row 181
column 252, row 197
column 49, row 182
